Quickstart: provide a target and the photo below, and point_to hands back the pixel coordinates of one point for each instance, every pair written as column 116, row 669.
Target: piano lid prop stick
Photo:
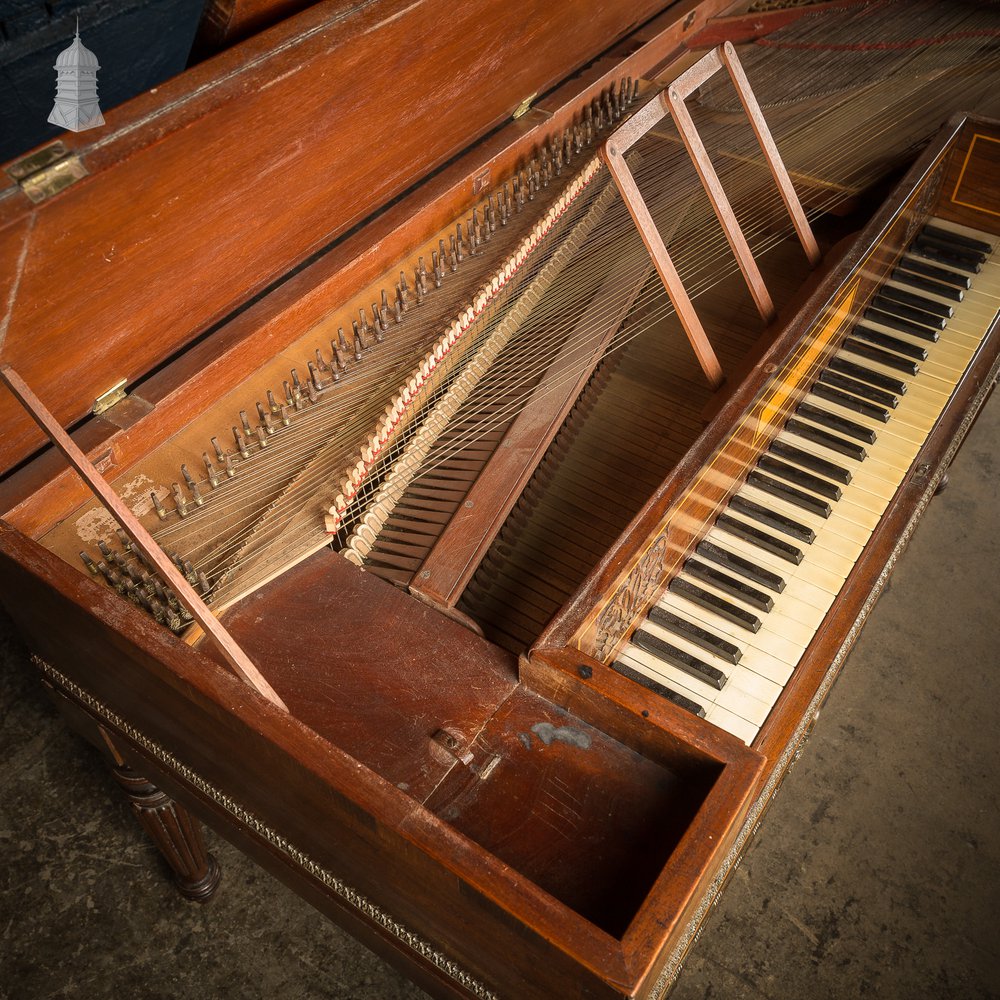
column 186, row 594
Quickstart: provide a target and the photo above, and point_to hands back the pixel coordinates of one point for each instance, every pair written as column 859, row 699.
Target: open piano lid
column 206, row 191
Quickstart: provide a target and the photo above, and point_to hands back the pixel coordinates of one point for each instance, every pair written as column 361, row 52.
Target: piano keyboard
column 731, row 627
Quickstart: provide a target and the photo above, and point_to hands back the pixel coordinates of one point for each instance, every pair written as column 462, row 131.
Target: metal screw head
column 469, row 504
column 425, row 574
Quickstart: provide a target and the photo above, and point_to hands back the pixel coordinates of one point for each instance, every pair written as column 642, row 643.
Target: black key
column 890, row 343
column 902, row 325
column 695, row 635
column 849, row 402
column 869, row 392
column 714, row 553
column 839, row 424
column 881, row 304
column 887, row 382
column 921, row 302
column 944, row 274
column 789, row 494
column 950, row 247
column 825, row 438
column 772, row 519
column 729, row 584
column 893, row 361
column 717, row 605
column 703, row 671
column 941, row 257
column 820, row 465
column 800, row 478
column 927, row 284
column 657, row 688
column 754, row 536
column 959, row 240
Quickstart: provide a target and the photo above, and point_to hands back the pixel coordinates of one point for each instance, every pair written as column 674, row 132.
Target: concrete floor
column 876, row 872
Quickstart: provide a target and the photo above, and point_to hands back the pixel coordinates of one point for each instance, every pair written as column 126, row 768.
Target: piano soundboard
column 726, row 635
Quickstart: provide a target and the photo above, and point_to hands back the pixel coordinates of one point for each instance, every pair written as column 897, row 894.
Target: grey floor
column 876, row 873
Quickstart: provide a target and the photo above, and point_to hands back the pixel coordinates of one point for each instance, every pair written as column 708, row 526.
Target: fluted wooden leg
column 175, row 832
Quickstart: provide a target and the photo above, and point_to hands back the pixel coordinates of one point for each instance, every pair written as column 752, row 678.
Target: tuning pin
column 189, row 573
column 420, row 280
column 105, row 550
column 419, row 288
column 491, row 218
column 161, row 511
column 179, row 502
column 264, row 415
column 473, row 238
column 377, row 323
column 124, row 540
column 339, row 361
column 363, row 323
column 459, row 249
column 89, row 563
column 230, row 466
column 192, row 486
column 203, row 585
column 404, row 289
column 219, row 453
column 241, row 444
column 245, row 421
column 438, row 268
column 261, row 437
column 296, row 385
column 453, row 255
column 397, row 309
column 635, row 90
column 359, row 340
column 213, row 474
column 314, row 379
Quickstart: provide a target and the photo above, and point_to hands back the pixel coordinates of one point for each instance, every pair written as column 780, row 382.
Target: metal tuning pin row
column 128, row 572
column 372, row 326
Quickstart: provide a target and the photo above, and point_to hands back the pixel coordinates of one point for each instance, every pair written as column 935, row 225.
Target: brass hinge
column 524, row 106
column 108, row 399
column 47, row 172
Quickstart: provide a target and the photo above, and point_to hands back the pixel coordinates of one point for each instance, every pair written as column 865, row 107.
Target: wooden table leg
column 175, row 832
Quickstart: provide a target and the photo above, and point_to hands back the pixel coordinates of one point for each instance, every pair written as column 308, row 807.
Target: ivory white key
column 797, row 585
column 738, row 675
column 766, row 662
column 733, row 724
column 847, row 521
column 870, row 476
column 767, row 639
column 803, row 617
column 734, row 700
